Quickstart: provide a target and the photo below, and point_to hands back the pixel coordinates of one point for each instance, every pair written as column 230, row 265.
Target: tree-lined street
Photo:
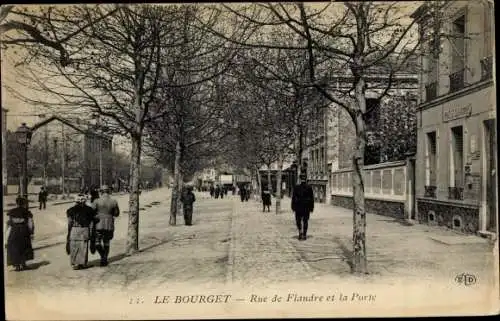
column 328, row 104
column 234, row 242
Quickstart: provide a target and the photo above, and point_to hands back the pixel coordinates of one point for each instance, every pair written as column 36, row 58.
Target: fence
column 389, row 188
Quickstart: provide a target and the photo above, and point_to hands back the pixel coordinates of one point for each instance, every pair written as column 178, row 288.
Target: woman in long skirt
column 20, row 230
column 81, row 233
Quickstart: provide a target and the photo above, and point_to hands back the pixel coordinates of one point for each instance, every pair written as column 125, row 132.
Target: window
column 456, row 163
column 322, row 160
column 487, row 59
column 430, row 177
column 457, row 42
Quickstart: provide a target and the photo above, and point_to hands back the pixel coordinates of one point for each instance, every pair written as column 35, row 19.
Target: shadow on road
column 398, row 221
column 296, row 237
column 111, row 259
column 36, row 265
column 346, row 252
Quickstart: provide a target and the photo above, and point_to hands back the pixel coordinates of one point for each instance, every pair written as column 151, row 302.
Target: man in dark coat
column 187, row 200
column 107, row 210
column 42, row 198
column 242, row 193
column 212, row 190
column 20, row 231
column 266, row 200
column 302, row 205
column 81, row 232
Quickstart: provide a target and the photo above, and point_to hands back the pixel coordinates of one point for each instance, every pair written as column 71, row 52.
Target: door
column 491, row 175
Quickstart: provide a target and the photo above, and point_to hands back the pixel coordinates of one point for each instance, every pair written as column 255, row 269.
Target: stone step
column 492, row 236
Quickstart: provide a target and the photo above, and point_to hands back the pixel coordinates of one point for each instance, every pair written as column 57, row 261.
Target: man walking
column 107, row 209
column 187, row 200
column 42, row 198
column 302, row 205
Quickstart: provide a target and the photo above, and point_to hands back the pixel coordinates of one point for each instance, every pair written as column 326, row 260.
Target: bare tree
column 50, row 26
column 352, row 40
column 193, row 99
column 115, row 73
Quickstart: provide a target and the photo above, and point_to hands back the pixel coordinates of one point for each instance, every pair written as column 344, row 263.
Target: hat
column 105, row 188
column 21, row 200
column 81, row 198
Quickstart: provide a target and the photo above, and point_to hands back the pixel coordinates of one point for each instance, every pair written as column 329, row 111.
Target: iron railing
column 457, row 80
column 486, row 68
column 430, row 191
column 456, row 193
column 431, row 91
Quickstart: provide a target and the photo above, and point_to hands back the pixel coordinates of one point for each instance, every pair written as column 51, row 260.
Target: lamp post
column 23, row 135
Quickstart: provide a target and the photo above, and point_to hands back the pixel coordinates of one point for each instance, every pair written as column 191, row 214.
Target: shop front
column 456, row 161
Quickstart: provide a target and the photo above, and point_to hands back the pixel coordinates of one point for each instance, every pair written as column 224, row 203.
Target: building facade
column 64, row 156
column 331, row 135
column 456, row 177
column 4, row 150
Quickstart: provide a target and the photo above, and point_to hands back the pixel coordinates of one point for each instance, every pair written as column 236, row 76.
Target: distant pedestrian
column 81, row 232
column 212, row 190
column 107, row 210
column 94, row 194
column 266, row 200
column 247, row 193
column 217, row 191
column 20, row 231
column 242, row 194
column 302, row 205
column 187, row 200
column 222, row 191
column 42, row 198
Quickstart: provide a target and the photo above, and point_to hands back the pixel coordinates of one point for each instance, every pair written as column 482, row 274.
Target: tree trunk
column 299, row 157
column 174, row 202
column 259, row 183
column 133, row 203
column 359, row 261
column 269, row 183
column 278, row 184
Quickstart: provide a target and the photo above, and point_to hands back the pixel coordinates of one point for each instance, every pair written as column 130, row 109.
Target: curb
column 31, row 207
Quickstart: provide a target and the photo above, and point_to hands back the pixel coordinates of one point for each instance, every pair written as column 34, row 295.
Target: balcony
column 456, row 193
column 431, row 91
column 457, row 80
column 430, row 191
column 486, row 68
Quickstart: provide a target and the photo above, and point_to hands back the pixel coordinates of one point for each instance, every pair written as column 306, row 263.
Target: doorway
column 491, row 175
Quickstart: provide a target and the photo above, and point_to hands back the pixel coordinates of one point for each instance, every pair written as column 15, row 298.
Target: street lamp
column 23, row 135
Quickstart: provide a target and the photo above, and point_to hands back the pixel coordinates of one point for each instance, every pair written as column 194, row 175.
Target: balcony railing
column 456, row 193
column 486, row 68
column 431, row 91
column 430, row 191
column 457, row 80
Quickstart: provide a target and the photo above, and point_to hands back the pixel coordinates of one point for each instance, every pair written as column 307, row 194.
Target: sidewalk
column 394, row 248
column 9, row 201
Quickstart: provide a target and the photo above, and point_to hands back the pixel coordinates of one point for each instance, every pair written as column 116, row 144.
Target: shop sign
column 453, row 112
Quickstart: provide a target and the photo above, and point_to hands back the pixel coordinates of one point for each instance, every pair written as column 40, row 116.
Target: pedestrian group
column 91, row 222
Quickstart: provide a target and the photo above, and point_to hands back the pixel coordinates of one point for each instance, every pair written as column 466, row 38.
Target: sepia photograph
column 249, row 160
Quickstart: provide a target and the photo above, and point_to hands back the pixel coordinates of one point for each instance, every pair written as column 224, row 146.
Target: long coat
column 303, row 199
column 21, row 226
column 266, row 198
column 107, row 209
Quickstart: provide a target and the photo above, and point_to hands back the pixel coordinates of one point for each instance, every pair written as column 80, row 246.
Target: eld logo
column 466, row 279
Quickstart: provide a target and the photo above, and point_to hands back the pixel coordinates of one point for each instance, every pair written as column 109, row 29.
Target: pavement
column 235, row 249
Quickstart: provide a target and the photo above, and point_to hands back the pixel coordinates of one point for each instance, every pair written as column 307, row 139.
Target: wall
column 386, row 189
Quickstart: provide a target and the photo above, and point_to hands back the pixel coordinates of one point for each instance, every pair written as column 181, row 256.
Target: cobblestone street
column 234, row 246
